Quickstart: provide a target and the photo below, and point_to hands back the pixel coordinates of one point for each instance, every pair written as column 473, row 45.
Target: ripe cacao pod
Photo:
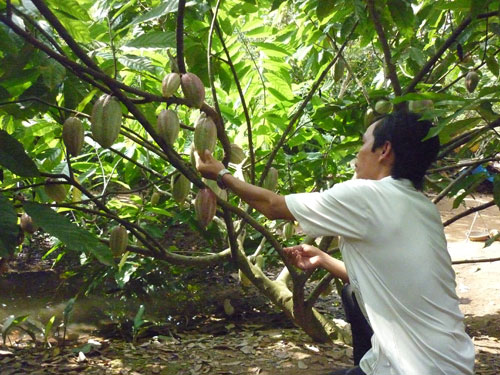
column 180, row 187
column 193, row 89
column 205, row 206
column 471, row 81
column 72, row 135
column 205, row 134
column 106, row 120
column 288, row 230
column 118, row 240
column 155, row 198
column 418, row 106
column 237, row 154
column 168, row 126
column 338, row 70
column 27, row 224
column 170, row 84
column 56, row 192
column 271, row 180
column 369, row 117
column 383, row 107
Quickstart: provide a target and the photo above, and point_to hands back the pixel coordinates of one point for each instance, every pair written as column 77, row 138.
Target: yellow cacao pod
column 168, row 125
column 271, row 180
column 338, row 70
column 193, row 89
column 155, row 198
column 419, row 106
column 106, row 120
column 56, row 192
column 72, row 135
column 27, row 224
column 180, row 187
column 118, row 240
column 205, row 134
column 471, row 81
column 170, row 84
column 288, row 230
column 237, row 154
column 383, row 107
column 205, row 206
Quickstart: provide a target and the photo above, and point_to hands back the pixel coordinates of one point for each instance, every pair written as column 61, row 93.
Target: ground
column 263, row 341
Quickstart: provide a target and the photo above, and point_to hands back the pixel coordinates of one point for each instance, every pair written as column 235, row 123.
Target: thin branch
column 180, row 36
column 468, row 212
column 450, row 186
column 385, row 48
column 486, row 260
column 464, row 164
column 113, row 50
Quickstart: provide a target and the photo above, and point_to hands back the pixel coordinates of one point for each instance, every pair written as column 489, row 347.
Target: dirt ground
column 269, row 344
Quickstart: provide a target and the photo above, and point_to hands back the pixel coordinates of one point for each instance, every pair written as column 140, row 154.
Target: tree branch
column 487, row 260
column 180, row 36
column 464, row 164
column 468, row 212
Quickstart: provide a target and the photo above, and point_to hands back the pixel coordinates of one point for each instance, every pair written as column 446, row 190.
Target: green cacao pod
column 168, row 126
column 419, row 106
column 338, row 70
column 155, row 198
column 180, row 187
column 56, row 192
column 72, row 135
column 369, row 117
column 205, row 134
column 193, row 89
column 106, row 120
column 383, row 107
column 237, row 154
column 118, row 240
column 170, row 84
column 471, row 81
column 271, row 180
column 205, row 206
column 288, row 230
column 27, row 224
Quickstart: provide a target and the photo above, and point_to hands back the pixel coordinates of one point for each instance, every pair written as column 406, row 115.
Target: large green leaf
column 160, row 10
column 8, row 227
column 14, row 158
column 74, row 237
column 155, row 39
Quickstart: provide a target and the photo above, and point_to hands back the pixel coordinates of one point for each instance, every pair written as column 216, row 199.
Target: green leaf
column 14, row 158
column 138, row 322
column 8, row 227
column 157, row 12
column 496, row 189
column 74, row 237
column 11, row 322
column 155, row 39
column 492, row 64
column 324, row 9
column 402, row 14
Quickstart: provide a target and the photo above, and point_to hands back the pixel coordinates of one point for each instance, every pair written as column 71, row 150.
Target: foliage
column 271, row 88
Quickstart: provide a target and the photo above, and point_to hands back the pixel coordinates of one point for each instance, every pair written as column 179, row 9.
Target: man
column 393, row 246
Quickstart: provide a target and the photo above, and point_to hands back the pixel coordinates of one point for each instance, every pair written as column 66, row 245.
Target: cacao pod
column 155, row 198
column 27, row 224
column 205, row 206
column 338, row 69
column 56, row 192
column 418, row 106
column 76, row 194
column 72, row 135
column 180, row 187
column 170, row 84
column 193, row 89
column 471, row 81
column 369, row 117
column 168, row 126
column 192, row 157
column 205, row 134
column 106, row 120
column 118, row 240
column 288, row 230
column 271, row 180
column 383, row 107
column 237, row 154
column 228, row 308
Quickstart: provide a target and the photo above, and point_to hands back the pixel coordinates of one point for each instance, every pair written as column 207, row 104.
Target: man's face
column 368, row 164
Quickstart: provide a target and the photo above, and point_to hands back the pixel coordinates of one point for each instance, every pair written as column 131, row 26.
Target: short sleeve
column 339, row 211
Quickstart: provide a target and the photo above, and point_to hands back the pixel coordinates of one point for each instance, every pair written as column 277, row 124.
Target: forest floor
column 261, row 340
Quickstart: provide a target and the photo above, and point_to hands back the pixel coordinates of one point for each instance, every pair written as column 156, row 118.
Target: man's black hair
column 405, row 131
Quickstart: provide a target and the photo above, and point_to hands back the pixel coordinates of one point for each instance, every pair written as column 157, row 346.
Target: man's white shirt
column 395, row 253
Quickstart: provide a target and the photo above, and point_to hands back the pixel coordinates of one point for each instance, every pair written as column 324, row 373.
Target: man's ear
column 387, row 151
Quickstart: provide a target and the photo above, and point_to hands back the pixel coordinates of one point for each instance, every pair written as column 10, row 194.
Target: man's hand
column 207, row 165
column 305, row 257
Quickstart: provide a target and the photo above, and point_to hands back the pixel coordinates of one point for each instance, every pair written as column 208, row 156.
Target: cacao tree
column 280, row 91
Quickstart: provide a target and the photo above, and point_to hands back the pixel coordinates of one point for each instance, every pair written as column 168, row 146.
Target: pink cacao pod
column 205, row 134
column 205, row 205
column 27, row 224
column 168, row 126
column 118, row 240
column 72, row 135
column 193, row 89
column 170, row 84
column 106, row 120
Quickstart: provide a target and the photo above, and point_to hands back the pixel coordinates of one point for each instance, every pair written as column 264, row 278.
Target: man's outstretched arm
column 270, row 204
